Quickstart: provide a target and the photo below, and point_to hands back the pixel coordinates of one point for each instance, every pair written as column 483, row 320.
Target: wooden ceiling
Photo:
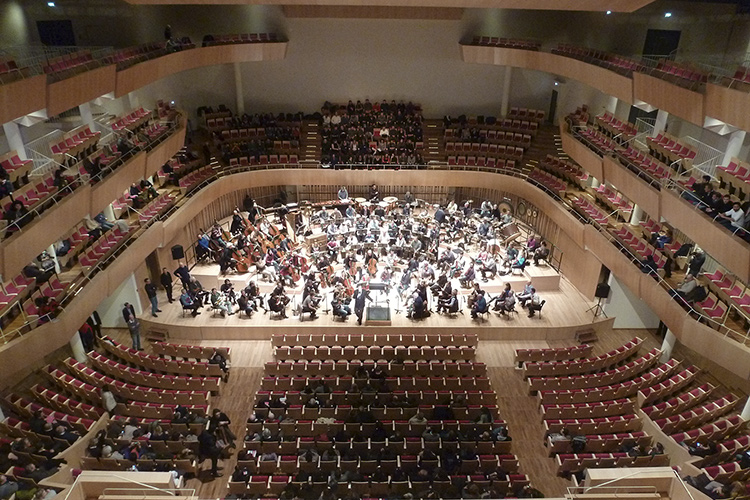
column 579, row 5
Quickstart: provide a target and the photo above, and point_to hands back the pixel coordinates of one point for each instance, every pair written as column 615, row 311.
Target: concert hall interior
column 368, row 249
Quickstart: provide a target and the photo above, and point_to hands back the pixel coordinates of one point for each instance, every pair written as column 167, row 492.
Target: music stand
column 597, row 309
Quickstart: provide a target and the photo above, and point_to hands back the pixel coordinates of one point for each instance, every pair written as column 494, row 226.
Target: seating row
column 697, row 416
column 242, row 38
column 351, row 353
column 515, row 139
column 617, row 391
column 79, row 140
column 409, row 445
column 734, row 178
column 613, row 62
column 264, row 485
column 135, row 392
column 408, row 369
column 156, row 207
column 666, row 388
column 715, row 431
column 589, row 210
column 105, row 246
column 151, row 379
column 182, row 465
column 489, row 162
column 345, row 397
column 670, row 149
column 602, row 443
column 565, row 169
column 553, row 354
column 308, row 429
column 187, row 352
column 194, row 178
column 571, row 463
column 374, row 339
column 599, row 425
column 596, row 141
column 131, row 121
column 25, row 408
column 727, row 473
column 643, row 164
column 549, row 182
column 679, row 403
column 580, row 366
column 282, row 159
column 616, row 128
column 588, row 410
column 637, row 247
column 157, row 364
column 34, row 195
column 67, row 65
column 536, row 115
column 10, row 72
column 270, row 383
column 681, row 74
column 609, row 377
column 14, row 428
column 16, row 168
column 65, row 404
column 342, row 412
column 615, row 200
column 510, row 43
column 130, row 56
column 730, row 289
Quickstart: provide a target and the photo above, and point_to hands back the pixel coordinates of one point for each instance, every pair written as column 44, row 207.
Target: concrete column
column 666, row 347
column 611, row 105
column 51, row 253
column 109, row 212
column 661, row 121
column 132, row 101
column 507, row 76
column 635, row 217
column 745, row 411
column 86, row 115
column 15, row 140
column 77, row 347
column 734, row 145
column 238, row 90
column 594, row 182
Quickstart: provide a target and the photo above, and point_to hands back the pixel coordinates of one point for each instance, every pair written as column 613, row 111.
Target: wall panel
column 674, row 99
column 22, row 97
column 582, row 155
column 87, row 86
column 631, row 186
column 731, row 106
column 113, row 186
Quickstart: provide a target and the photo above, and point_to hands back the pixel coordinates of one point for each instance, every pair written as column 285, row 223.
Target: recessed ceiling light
column 50, row 4
column 609, row 12
column 667, row 14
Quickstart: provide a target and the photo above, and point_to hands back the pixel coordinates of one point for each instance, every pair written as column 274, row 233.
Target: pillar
column 507, row 77
column 661, row 121
column 746, row 410
column 109, row 213
column 86, row 115
column 77, row 347
column 666, row 347
column 132, row 101
column 635, row 217
column 15, row 140
column 51, row 252
column 594, row 182
column 734, row 145
column 238, row 91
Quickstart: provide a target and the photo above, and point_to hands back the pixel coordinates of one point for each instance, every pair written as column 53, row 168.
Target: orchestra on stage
column 361, row 250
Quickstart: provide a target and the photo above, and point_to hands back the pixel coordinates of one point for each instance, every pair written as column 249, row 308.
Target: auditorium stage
column 564, row 314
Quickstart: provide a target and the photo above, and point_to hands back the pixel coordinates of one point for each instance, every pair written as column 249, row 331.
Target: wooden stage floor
column 565, row 312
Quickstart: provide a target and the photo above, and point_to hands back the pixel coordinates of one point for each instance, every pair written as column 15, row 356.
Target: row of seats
column 508, row 43
column 133, row 391
column 604, row 443
column 157, row 364
column 598, row 379
column 638, row 247
column 306, row 429
column 698, row 415
column 342, row 398
column 271, row 383
column 79, row 140
column 186, row 351
column 535, row 115
column 599, row 425
column 681, row 74
column 489, row 162
column 679, row 403
column 131, row 120
column 664, row 389
column 549, row 182
column 588, row 410
column 735, row 178
column 625, row 389
column 580, row 366
column 616, row 128
column 130, row 56
column 67, row 65
column 181, row 465
column 10, row 72
column 195, row 178
column 613, row 62
column 670, row 149
column 16, row 168
column 65, row 404
column 26, row 409
column 395, row 369
column 408, row 446
column 571, row 463
column 643, row 164
column 273, row 159
column 374, row 339
column 589, row 209
column 496, row 130
column 151, row 379
column 242, row 38
column 351, row 353
column 156, row 207
column 614, row 200
column 565, row 169
column 553, row 354
column 729, row 289
column 388, row 411
column 509, row 139
column 104, row 247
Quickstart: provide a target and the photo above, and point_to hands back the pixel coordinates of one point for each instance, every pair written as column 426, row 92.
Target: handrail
column 227, row 171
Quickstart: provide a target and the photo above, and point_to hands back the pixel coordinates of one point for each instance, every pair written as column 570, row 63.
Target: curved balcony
column 578, row 239
column 35, row 93
column 729, row 105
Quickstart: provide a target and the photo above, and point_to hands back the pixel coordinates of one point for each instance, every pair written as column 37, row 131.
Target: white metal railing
column 41, row 144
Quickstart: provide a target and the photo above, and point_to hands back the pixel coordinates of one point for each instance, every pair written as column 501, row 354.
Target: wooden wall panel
column 42, row 232
column 578, row 266
column 22, row 97
column 731, row 251
column 582, row 155
column 631, row 186
column 148, row 72
column 116, row 183
column 163, row 152
column 69, row 93
column 603, row 79
column 718, row 348
column 621, row 266
column 728, row 105
column 674, row 99
column 658, row 299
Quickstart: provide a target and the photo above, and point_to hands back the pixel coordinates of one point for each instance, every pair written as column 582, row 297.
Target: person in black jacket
column 208, row 448
column 166, row 281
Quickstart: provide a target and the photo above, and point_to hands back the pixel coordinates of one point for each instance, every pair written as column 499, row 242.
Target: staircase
column 309, row 142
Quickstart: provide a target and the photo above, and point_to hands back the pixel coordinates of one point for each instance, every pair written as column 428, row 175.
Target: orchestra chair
column 486, row 311
column 520, row 269
column 541, row 306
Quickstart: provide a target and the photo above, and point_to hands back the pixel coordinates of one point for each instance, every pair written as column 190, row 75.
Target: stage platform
column 564, row 314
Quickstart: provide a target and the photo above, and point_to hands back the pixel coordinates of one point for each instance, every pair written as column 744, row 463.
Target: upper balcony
column 57, row 87
column 690, row 96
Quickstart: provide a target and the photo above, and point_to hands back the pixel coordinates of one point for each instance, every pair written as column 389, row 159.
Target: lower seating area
column 377, row 426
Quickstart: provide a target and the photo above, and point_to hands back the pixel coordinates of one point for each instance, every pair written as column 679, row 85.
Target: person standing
column 151, row 293
column 360, row 298
column 166, row 281
column 183, row 272
column 208, row 448
column 128, row 313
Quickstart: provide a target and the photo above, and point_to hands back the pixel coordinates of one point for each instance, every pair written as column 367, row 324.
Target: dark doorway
column 552, row 107
column 56, row 33
column 636, row 113
column 661, row 43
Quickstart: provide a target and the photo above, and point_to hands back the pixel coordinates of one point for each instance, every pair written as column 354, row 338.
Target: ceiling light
column 609, row 12
column 667, row 14
column 50, row 4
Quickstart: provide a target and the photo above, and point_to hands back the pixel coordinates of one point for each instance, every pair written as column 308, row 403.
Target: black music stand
column 597, row 309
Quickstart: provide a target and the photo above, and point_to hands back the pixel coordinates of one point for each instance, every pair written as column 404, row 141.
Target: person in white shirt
column 733, row 218
column 343, row 193
column 535, row 304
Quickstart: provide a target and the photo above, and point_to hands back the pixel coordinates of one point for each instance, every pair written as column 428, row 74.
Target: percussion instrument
column 510, row 232
column 360, row 200
column 391, row 202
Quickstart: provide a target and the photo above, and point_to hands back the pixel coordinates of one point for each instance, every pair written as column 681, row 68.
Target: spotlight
column 50, row 4
column 609, row 12
column 667, row 14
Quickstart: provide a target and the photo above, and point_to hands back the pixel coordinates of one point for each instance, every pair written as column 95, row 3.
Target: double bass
column 242, row 263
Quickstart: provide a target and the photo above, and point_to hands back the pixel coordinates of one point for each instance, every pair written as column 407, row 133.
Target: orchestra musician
column 238, row 223
column 310, row 304
column 479, row 306
column 506, row 301
column 489, row 266
column 473, row 296
column 468, row 277
column 220, row 302
column 343, row 194
column 278, row 301
column 449, row 305
column 374, row 193
column 227, row 288
column 541, row 253
column 252, row 292
column 338, row 307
